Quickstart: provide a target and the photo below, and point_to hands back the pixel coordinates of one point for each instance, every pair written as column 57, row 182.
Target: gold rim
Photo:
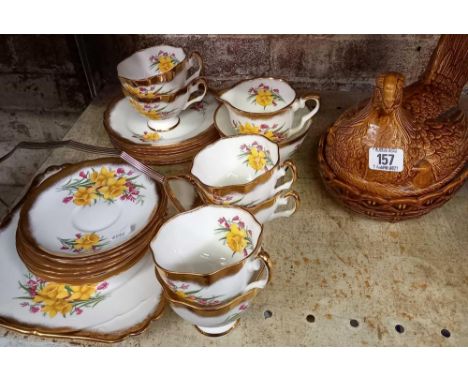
column 218, row 334
column 240, row 188
column 159, row 78
column 218, row 310
column 70, row 333
column 282, row 143
column 32, row 196
column 255, row 115
column 167, row 97
column 208, row 278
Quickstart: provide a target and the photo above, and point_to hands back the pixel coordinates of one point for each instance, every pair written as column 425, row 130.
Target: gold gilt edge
column 70, row 333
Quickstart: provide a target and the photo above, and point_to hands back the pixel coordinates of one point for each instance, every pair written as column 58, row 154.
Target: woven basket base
column 394, row 209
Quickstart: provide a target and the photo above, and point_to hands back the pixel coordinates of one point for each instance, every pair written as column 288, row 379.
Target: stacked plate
column 89, row 221
column 128, row 131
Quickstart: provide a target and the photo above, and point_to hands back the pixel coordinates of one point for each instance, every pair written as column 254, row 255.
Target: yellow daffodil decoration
column 51, row 298
column 235, row 235
column 273, row 133
column 163, row 61
column 256, row 156
column 183, row 290
column 264, row 96
column 108, row 184
column 147, row 136
column 83, row 242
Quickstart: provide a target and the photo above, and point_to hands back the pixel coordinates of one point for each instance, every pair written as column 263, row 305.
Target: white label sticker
column 386, row 159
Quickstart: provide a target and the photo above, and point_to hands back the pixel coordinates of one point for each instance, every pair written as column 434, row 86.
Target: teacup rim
column 257, row 115
column 166, row 97
column 239, row 187
column 207, row 278
column 157, row 78
column 282, row 143
column 213, row 310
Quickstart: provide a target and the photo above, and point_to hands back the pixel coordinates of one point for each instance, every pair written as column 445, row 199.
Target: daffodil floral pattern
column 235, row 316
column 235, row 235
column 256, row 156
column 200, row 106
column 182, row 290
column 147, row 136
column 50, row 298
column 149, row 92
column 84, row 242
column 153, row 111
column 163, row 61
column 273, row 133
column 227, row 199
column 106, row 184
column 264, row 96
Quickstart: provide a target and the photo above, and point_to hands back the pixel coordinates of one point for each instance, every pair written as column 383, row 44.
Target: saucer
column 287, row 147
column 124, row 123
column 31, row 305
column 90, row 208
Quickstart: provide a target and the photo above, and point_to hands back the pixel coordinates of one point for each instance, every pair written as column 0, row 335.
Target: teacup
column 218, row 320
column 185, row 196
column 212, row 263
column 157, row 70
column 163, row 112
column 243, row 170
column 266, row 106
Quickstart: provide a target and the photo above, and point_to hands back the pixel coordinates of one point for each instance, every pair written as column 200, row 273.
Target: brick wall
column 322, row 62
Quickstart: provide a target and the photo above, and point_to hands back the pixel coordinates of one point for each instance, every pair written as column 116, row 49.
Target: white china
column 163, row 115
column 158, row 70
column 282, row 205
column 33, row 305
column 218, row 320
column 127, row 123
column 212, row 263
column 186, row 196
column 268, row 106
column 287, row 147
column 94, row 209
column 242, row 170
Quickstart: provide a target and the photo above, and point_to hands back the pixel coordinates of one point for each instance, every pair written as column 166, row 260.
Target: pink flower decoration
column 78, row 235
column 32, row 291
column 235, row 218
column 184, row 286
column 276, row 90
column 243, row 307
column 221, row 220
column 23, row 304
column 130, row 173
column 120, row 170
column 83, row 174
column 241, row 224
column 34, row 309
column 67, row 199
column 78, row 311
column 103, row 285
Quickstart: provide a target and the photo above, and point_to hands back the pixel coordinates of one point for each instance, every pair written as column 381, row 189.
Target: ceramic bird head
column 388, row 93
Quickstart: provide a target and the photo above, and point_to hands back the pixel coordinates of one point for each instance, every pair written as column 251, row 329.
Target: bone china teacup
column 163, row 112
column 207, row 256
column 157, row 70
column 266, row 106
column 218, row 320
column 243, row 170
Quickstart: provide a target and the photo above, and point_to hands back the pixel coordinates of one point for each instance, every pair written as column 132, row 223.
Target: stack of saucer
column 89, row 221
column 165, row 117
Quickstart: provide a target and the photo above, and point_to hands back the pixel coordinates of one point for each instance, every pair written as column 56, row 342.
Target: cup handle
column 175, row 197
column 193, row 87
column 264, row 258
column 290, row 195
column 195, row 58
column 287, row 164
column 300, row 104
